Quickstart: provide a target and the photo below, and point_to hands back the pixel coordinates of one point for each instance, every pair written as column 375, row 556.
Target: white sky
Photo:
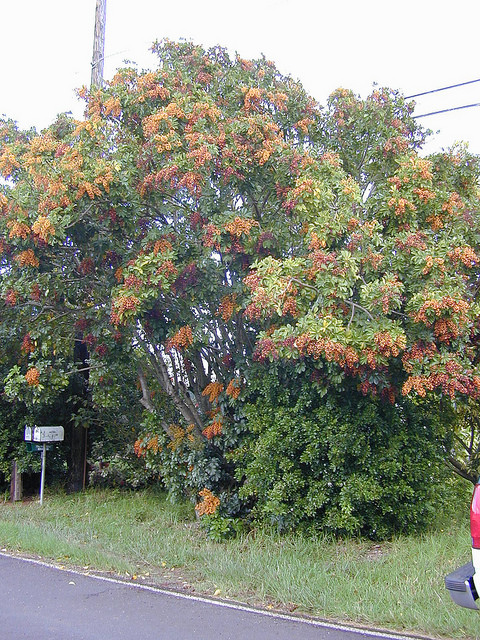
column 411, row 45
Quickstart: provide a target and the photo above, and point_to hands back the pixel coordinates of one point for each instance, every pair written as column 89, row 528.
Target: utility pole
column 98, row 44
column 78, row 435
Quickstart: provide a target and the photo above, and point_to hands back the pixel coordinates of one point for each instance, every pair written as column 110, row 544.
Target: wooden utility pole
column 98, row 44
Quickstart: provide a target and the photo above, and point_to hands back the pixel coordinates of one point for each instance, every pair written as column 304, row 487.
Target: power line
column 452, row 86
column 434, row 113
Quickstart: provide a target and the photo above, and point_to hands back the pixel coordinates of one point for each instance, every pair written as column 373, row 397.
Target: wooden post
column 16, row 488
column 98, row 44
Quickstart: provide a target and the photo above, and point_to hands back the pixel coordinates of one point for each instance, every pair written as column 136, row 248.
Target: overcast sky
column 411, row 45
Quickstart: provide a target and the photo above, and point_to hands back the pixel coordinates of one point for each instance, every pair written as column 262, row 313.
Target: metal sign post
column 42, row 476
column 42, row 435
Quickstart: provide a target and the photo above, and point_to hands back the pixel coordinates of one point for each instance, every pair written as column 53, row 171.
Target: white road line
column 223, row 603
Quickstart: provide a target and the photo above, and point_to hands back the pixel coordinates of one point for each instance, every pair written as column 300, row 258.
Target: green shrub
column 345, row 464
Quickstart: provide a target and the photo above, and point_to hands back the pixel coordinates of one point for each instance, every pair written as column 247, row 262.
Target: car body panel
column 461, row 586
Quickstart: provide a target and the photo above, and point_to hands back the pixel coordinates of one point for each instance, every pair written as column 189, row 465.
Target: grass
column 396, row 585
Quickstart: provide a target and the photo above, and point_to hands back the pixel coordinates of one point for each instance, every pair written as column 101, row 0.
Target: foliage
column 345, row 464
column 122, row 469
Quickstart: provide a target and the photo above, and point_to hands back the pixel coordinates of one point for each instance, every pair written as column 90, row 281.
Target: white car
column 463, row 584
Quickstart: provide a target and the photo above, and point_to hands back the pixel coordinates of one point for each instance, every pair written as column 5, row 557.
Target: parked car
column 463, row 584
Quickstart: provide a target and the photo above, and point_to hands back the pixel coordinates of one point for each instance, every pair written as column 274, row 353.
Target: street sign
column 33, row 447
column 48, row 434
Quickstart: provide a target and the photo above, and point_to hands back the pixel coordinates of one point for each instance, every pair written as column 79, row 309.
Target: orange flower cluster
column 279, row 99
column 417, row 353
column 445, row 329
column 373, row 259
column 260, row 303
column 168, row 269
column 35, row 292
column 149, row 84
column 464, row 254
column 437, row 307
column 234, row 388
column 122, row 304
column 27, row 258
column 167, row 142
column 104, row 179
column 395, row 182
column 177, row 436
column 213, row 391
column 263, row 154
column 3, row 203
column 303, row 125
column 90, row 189
column 390, row 290
column 345, row 356
column 227, row 307
column 425, row 195
column 113, row 106
column 8, row 163
column 252, row 98
column 238, row 226
column 151, row 123
column 28, row 346
column 161, row 245
column 11, row 297
column 418, row 167
column 401, row 205
column 133, row 282
column 18, row 229
column 413, row 241
column 201, row 156
column 181, row 340
column 43, row 228
column 398, row 144
column 139, row 448
column 389, row 346
column 431, row 262
column 152, row 444
column 349, row 186
column 331, row 158
column 316, row 243
column 290, row 307
column 451, row 382
column 305, row 186
column 213, row 429
column 211, row 236
column 453, row 205
column 33, row 377
column 209, row 503
column 192, row 182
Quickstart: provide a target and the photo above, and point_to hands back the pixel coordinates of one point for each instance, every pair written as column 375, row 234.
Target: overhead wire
column 452, row 86
column 434, row 113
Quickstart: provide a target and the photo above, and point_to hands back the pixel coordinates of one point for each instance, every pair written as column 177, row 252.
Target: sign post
column 42, row 435
column 42, row 476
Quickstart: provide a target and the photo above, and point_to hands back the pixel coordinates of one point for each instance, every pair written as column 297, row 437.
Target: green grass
column 397, row 584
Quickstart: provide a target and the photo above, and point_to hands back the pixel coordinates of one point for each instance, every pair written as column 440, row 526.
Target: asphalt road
column 42, row 602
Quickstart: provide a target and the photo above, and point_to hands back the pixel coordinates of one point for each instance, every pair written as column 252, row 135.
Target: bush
column 347, row 464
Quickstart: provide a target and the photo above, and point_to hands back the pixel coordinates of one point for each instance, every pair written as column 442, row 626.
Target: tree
column 383, row 288
column 202, row 202
column 130, row 232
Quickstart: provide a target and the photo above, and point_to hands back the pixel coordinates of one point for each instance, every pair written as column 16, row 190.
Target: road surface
column 42, row 602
